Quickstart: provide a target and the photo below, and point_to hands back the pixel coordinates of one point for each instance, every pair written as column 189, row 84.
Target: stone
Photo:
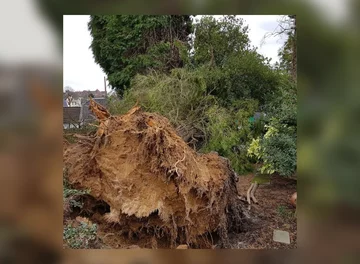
column 281, row 236
column 182, row 247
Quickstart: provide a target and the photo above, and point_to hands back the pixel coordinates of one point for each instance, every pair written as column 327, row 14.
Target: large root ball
column 154, row 182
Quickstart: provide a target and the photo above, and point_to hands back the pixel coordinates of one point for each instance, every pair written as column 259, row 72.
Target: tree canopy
column 208, row 80
column 126, row 45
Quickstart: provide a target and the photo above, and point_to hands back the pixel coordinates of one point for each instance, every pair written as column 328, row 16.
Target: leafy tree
column 215, row 41
column 276, row 150
column 234, row 69
column 211, row 100
column 124, row 45
column 287, row 53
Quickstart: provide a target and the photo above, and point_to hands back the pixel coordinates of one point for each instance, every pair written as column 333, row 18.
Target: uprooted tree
column 154, row 183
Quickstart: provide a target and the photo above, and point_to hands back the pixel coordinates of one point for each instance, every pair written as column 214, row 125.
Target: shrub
column 180, row 96
column 230, row 131
column 276, row 150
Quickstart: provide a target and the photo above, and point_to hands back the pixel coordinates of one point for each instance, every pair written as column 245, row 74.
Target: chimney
column 105, row 86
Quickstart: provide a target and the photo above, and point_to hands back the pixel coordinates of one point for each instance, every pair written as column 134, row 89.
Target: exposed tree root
column 137, row 156
column 248, row 193
column 253, row 192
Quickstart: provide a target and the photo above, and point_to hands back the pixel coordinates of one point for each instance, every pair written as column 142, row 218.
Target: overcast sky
column 82, row 73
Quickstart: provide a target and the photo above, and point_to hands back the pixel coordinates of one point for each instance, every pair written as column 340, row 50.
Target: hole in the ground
column 101, row 207
column 87, row 206
column 155, row 213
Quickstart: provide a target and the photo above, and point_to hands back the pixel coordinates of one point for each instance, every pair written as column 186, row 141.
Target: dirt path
column 274, row 212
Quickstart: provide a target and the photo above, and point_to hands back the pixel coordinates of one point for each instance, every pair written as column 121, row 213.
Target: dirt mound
column 154, row 183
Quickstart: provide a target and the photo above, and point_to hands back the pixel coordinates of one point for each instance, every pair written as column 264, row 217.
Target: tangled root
column 154, row 183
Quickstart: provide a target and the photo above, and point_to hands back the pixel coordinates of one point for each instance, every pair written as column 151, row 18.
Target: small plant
column 82, row 236
column 285, row 212
column 70, row 194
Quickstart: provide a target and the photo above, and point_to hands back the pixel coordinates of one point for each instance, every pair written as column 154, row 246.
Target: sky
column 80, row 71
column 37, row 42
column 29, row 39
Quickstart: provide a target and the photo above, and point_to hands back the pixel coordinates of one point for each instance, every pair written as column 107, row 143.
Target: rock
column 281, row 236
column 133, row 247
column 287, row 226
column 83, row 220
column 293, row 199
column 182, row 247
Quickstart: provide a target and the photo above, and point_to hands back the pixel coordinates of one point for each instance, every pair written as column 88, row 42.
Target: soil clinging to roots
column 154, row 183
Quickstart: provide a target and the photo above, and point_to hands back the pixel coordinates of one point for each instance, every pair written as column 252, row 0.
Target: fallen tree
column 154, row 183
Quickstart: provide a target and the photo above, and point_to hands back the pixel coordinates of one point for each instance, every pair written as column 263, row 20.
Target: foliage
column 276, row 150
column 124, row 45
column 280, row 152
column 70, row 194
column 221, row 84
column 234, row 69
column 229, row 132
column 80, row 237
column 83, row 235
column 216, row 41
column 180, row 96
column 284, row 107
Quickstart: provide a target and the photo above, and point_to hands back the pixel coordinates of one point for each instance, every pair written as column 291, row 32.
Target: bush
column 229, row 132
column 280, row 152
column 276, row 150
column 180, row 96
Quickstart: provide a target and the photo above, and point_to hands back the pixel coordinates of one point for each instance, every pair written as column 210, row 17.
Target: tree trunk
column 294, row 55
